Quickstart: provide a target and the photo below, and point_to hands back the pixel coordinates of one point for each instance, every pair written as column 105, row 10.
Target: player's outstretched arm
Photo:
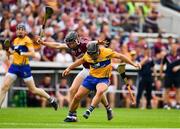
column 55, row 45
column 52, row 44
column 77, row 63
column 127, row 60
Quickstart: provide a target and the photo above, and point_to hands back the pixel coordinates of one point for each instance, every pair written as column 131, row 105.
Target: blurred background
column 139, row 29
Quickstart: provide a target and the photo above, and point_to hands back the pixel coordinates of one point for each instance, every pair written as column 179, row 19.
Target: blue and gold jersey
column 25, row 42
column 101, row 68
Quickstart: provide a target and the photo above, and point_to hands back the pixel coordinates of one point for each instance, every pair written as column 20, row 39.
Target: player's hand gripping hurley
column 48, row 13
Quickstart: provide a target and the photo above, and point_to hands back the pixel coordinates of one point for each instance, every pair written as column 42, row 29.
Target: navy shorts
column 172, row 81
column 22, row 71
column 91, row 82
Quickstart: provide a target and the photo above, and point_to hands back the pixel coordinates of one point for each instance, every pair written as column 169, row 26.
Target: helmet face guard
column 94, row 56
column 21, row 30
column 21, row 27
column 72, row 44
column 93, row 53
column 93, row 50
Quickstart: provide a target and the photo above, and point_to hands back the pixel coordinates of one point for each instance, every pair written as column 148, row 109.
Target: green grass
column 123, row 118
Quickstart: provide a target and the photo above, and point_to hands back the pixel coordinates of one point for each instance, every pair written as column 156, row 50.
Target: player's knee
column 5, row 88
column 33, row 90
column 72, row 91
column 100, row 92
column 77, row 97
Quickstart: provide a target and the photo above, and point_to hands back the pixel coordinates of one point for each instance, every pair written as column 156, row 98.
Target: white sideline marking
column 66, row 125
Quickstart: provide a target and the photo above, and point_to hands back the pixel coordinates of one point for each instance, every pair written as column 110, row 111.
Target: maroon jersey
column 171, row 61
column 81, row 50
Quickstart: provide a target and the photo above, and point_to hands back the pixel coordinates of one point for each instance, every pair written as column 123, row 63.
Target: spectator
column 146, row 8
column 93, row 31
column 63, row 96
column 170, row 42
column 59, row 36
column 5, row 16
column 48, row 54
column 28, row 10
column 126, row 95
column 157, row 95
column 131, row 7
column 63, row 57
column 106, row 30
column 4, row 63
column 142, row 42
column 172, row 74
column 159, row 45
column 145, row 76
column 18, row 19
column 124, row 50
column 30, row 23
column 150, row 25
column 121, row 7
column 49, row 33
column 132, row 24
column 172, row 97
column 46, row 84
column 7, row 32
column 131, row 44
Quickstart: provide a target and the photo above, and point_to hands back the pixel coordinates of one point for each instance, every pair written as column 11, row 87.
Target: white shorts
column 14, row 77
column 84, row 73
column 111, row 89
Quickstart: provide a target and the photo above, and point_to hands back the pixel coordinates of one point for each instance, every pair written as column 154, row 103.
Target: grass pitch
column 123, row 118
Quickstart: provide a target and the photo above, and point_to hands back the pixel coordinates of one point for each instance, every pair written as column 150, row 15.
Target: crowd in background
column 111, row 20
